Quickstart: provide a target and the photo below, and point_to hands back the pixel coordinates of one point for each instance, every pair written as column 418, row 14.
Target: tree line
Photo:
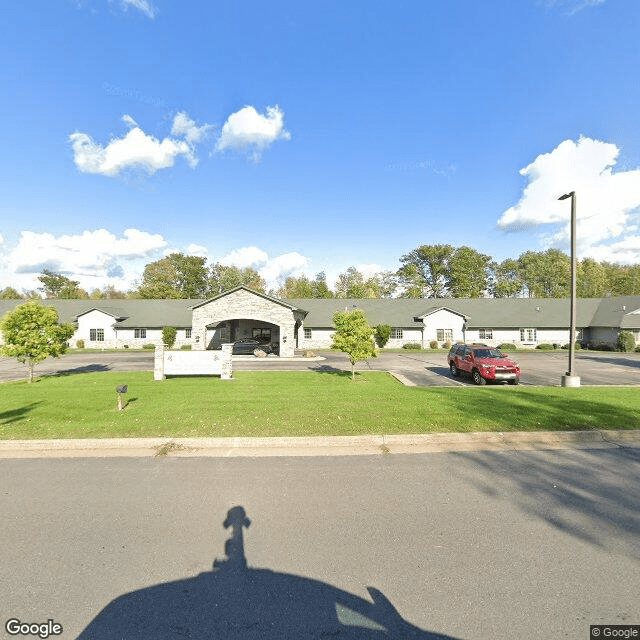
column 429, row 271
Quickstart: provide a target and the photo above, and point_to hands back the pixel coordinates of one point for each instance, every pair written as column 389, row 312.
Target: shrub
column 545, row 347
column 80, row 344
column 626, row 341
column 125, row 346
column 185, row 347
column 148, row 346
column 434, row 344
column 602, row 347
column 309, row 354
column 169, row 336
column 637, row 349
column 412, row 345
column 507, row 346
column 382, row 334
column 447, row 345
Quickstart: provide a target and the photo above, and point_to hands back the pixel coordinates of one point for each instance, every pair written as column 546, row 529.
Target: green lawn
column 296, row 404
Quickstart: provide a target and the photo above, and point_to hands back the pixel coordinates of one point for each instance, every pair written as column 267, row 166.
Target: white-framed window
column 96, row 335
column 308, row 334
column 444, row 335
column 528, row 335
column 396, row 334
column 485, row 334
column 187, row 333
column 139, row 333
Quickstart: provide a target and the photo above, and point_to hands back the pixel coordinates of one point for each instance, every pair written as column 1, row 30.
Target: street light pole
column 570, row 379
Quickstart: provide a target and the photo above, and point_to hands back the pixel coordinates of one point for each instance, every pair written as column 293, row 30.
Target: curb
column 319, row 445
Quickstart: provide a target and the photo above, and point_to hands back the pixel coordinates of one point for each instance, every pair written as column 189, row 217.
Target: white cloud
column 247, row 131
column 197, row 250
column 138, row 150
column 278, row 268
column 245, row 257
column 608, row 202
column 129, row 121
column 573, row 6
column 183, row 125
column 95, row 258
column 273, row 270
column 369, row 269
column 143, row 5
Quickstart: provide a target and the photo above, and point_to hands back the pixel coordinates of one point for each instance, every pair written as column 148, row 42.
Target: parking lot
column 423, row 368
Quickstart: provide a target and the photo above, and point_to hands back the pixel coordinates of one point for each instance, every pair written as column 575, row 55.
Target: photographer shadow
column 235, row 602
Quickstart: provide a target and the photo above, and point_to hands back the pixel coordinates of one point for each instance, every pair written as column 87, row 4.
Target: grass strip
column 296, row 404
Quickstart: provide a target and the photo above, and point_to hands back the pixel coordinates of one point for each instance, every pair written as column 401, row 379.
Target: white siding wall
column 408, row 335
column 126, row 337
column 512, row 336
column 95, row 320
column 443, row 319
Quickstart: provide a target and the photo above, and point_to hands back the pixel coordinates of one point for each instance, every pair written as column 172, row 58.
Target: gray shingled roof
column 137, row 313
column 399, row 312
column 615, row 312
column 480, row 312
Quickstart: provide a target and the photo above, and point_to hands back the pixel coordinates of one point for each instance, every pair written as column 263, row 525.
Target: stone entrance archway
column 228, row 331
column 240, row 313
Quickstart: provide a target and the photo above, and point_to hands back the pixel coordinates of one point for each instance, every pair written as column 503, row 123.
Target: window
column 187, row 333
column 139, row 333
column 396, row 334
column 485, row 334
column 263, row 335
column 444, row 335
column 307, row 333
column 528, row 335
column 96, row 335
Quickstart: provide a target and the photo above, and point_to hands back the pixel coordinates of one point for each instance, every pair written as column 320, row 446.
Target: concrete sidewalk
column 319, row 446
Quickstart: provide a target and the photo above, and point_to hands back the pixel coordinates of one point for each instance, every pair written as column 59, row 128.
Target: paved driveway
column 423, row 368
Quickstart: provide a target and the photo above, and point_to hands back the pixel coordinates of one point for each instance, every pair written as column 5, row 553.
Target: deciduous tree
column 427, row 269
column 468, row 273
column 353, row 336
column 9, row 293
column 32, row 333
column 55, row 285
column 176, row 276
column 223, row 277
column 546, row 274
column 507, row 281
column 353, row 284
column 591, row 279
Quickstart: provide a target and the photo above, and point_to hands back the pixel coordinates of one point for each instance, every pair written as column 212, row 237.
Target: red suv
column 482, row 363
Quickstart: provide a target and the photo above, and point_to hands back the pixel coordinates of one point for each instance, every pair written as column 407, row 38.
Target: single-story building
column 308, row 323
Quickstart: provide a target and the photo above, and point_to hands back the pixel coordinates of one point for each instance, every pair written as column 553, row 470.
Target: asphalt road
column 421, row 368
column 479, row 545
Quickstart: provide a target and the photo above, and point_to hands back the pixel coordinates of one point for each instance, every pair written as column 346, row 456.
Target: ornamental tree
column 169, row 336
column 32, row 333
column 353, row 336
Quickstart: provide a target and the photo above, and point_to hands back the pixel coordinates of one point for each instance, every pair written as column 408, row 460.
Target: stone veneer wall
column 243, row 304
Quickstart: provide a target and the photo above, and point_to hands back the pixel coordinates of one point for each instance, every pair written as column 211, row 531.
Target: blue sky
column 305, row 137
